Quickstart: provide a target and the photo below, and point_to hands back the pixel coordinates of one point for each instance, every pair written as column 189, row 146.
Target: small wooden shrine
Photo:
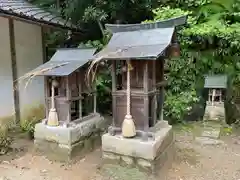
column 65, row 88
column 138, row 91
column 137, row 53
column 216, row 86
column 72, row 126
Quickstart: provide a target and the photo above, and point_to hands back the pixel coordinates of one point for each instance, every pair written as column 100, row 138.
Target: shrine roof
column 64, row 62
column 216, row 81
column 23, row 10
column 136, row 41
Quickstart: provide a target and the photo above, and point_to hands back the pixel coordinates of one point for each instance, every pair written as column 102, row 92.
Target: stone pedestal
column 214, row 112
column 149, row 155
column 62, row 143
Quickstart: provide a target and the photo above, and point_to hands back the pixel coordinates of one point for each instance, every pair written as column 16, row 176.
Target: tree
column 210, row 43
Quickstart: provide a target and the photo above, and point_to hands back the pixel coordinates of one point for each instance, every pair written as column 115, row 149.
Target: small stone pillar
column 216, row 85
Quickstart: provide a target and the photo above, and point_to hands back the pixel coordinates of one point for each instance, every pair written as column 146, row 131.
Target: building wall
column 6, row 83
column 28, row 39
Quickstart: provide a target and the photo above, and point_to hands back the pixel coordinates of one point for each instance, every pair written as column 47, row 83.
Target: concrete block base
column 63, row 143
column 215, row 112
column 149, row 156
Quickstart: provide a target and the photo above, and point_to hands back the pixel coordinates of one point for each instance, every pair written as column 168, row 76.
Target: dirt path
column 194, row 162
column 197, row 162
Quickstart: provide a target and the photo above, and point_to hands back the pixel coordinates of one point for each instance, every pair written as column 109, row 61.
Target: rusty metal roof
column 64, row 62
column 140, row 41
column 24, row 10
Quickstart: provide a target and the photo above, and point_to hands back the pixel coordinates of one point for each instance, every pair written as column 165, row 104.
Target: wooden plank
column 154, row 105
column 14, row 71
column 68, row 93
column 162, row 91
column 47, row 95
column 95, row 100
column 80, row 93
column 146, row 98
column 114, row 100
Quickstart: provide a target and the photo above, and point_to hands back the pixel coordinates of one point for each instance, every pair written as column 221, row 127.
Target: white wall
column 6, row 83
column 28, row 39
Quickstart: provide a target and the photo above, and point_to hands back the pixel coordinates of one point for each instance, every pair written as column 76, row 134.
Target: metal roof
column 152, row 25
column 215, row 81
column 64, row 62
column 24, row 10
column 136, row 41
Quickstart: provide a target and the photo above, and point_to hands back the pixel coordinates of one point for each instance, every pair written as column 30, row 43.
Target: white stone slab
column 136, row 147
column 68, row 135
column 208, row 141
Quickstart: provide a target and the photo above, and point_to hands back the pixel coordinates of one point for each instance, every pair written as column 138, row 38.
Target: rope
column 53, row 94
column 128, row 88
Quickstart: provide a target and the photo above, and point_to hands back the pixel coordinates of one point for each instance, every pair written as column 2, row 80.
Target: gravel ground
column 193, row 162
column 197, row 162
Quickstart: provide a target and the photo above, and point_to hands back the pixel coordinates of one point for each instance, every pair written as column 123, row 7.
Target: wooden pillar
column 162, row 90
column 14, row 71
column 47, row 95
column 213, row 96
column 44, row 50
column 68, row 93
column 80, row 94
column 122, row 63
column 114, row 85
column 95, row 100
column 154, row 108
column 146, row 100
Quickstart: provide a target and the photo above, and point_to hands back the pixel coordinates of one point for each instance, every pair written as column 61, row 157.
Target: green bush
column 27, row 126
column 5, row 141
column 31, row 117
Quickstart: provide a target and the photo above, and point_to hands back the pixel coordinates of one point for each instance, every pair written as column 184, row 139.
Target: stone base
column 149, row 156
column 63, row 143
column 215, row 112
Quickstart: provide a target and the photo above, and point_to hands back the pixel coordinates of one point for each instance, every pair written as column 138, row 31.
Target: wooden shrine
column 216, row 86
column 65, row 88
column 138, row 91
column 72, row 126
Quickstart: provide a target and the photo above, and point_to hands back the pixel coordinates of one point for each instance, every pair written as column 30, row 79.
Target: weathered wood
column 161, row 91
column 68, row 95
column 146, row 99
column 14, row 71
column 123, row 73
column 47, row 95
column 145, row 77
column 80, row 93
column 95, row 100
column 44, row 51
column 114, row 100
column 154, row 108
